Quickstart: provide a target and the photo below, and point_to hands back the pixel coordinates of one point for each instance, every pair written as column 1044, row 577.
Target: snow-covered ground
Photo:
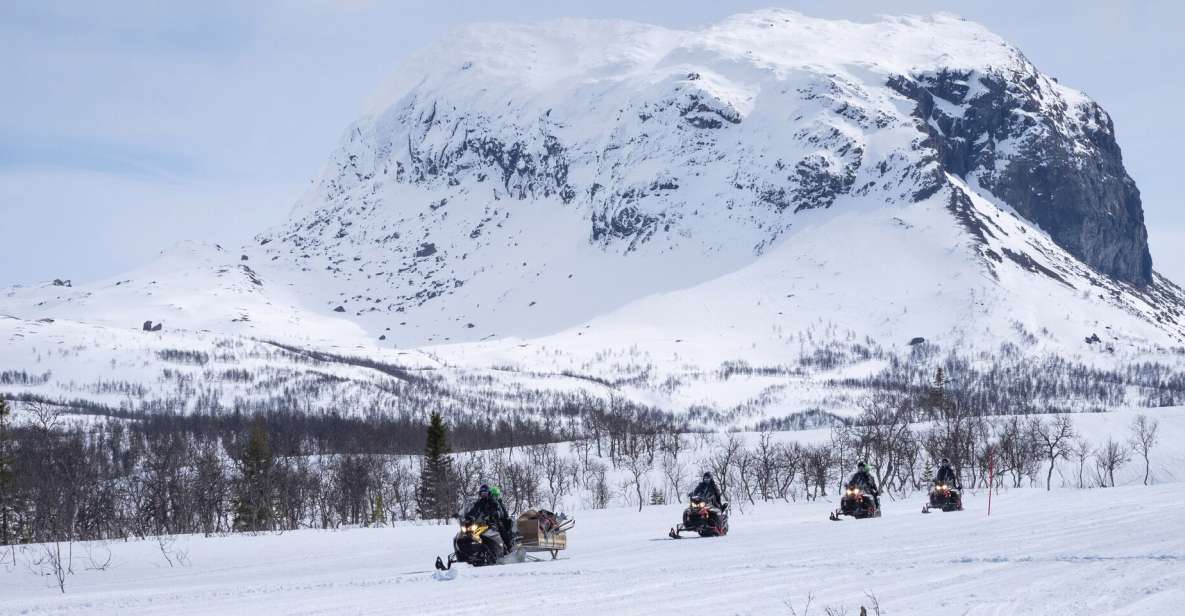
column 1103, row 551
column 1065, row 551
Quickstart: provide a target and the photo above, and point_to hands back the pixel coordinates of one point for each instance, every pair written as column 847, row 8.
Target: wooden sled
column 543, row 531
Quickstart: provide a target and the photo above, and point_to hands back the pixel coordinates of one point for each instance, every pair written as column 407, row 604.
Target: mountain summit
column 520, row 179
column 565, row 192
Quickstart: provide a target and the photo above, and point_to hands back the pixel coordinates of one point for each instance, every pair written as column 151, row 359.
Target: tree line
column 120, row 476
column 117, row 478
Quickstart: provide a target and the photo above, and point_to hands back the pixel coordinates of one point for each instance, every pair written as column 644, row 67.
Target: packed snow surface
column 1105, row 551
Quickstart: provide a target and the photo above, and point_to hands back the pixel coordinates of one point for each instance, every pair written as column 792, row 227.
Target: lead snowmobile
column 480, row 545
column 477, row 544
column 944, row 496
column 856, row 503
column 703, row 519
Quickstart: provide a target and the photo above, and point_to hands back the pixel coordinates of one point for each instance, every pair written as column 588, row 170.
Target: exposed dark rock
column 426, row 249
column 340, row 309
column 916, row 341
column 527, row 168
column 58, row 282
column 251, row 275
column 147, row 326
column 1027, row 262
column 1065, row 171
column 704, row 111
column 819, row 182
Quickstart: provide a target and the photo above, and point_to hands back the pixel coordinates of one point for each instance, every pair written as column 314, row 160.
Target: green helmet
column 495, row 491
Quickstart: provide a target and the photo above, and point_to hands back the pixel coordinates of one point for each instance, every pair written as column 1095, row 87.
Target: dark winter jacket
column 489, row 511
column 708, row 491
column 864, row 481
column 946, row 475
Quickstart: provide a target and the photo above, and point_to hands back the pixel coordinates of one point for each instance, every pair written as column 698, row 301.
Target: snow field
column 1110, row 551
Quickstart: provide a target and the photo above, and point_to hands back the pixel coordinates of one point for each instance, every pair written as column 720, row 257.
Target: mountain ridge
column 682, row 200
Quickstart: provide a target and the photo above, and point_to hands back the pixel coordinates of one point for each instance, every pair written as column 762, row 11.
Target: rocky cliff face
column 568, row 168
column 1044, row 150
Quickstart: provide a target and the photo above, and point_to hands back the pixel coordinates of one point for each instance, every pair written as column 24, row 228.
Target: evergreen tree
column 937, row 394
column 436, row 495
column 657, row 497
column 928, row 472
column 6, row 473
column 254, row 509
column 379, row 516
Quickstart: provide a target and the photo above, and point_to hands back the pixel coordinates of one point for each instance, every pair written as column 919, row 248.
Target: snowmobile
column 701, row 518
column 477, row 544
column 480, row 545
column 945, row 497
column 857, row 504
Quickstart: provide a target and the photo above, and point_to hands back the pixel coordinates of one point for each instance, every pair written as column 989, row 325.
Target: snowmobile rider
column 709, row 492
column 863, row 480
column 946, row 475
column 489, row 509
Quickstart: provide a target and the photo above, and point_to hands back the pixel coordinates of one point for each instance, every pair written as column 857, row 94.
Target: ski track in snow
column 1105, row 551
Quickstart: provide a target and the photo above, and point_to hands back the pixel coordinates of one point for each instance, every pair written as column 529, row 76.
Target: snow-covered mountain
column 615, row 199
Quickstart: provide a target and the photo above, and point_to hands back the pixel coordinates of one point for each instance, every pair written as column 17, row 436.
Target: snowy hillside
column 596, row 209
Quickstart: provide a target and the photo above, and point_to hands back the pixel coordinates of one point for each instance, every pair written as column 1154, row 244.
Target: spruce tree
column 436, row 495
column 254, row 506
column 937, row 397
column 928, row 472
column 6, row 472
column 379, row 516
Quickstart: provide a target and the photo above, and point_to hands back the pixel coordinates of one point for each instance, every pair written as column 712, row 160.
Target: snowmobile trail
column 1103, row 551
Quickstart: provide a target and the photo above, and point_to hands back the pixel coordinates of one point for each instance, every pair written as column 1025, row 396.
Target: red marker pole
column 991, row 478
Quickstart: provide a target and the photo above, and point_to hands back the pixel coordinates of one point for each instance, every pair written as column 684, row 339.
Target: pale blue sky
column 127, row 126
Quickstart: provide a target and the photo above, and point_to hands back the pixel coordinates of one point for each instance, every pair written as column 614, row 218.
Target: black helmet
column 862, row 465
column 946, row 461
column 707, row 476
column 483, row 491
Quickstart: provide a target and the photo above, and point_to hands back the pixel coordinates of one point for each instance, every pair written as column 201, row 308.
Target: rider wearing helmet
column 709, row 492
column 946, row 475
column 863, row 479
column 489, row 509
